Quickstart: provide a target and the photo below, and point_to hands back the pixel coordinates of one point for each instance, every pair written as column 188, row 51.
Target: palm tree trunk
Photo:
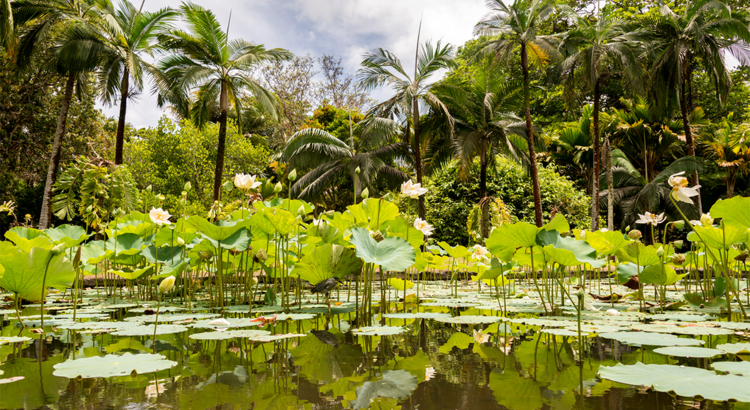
column 731, row 177
column 610, row 188
column 120, row 138
column 54, row 160
column 224, row 106
column 597, row 156
column 418, row 154
column 483, row 203
column 530, row 134
column 689, row 139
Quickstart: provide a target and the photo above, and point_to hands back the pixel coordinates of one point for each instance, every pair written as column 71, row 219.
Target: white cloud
column 341, row 27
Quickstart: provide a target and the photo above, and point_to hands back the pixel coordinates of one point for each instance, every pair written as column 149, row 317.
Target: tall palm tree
column 702, row 31
column 730, row 148
column 380, row 67
column 595, row 51
column 484, row 124
column 36, row 21
column 371, row 148
column 131, row 34
column 205, row 58
column 513, row 29
column 7, row 30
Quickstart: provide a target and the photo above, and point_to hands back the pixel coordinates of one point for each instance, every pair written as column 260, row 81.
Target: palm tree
column 484, row 124
column 371, row 149
column 573, row 148
column 596, row 51
column 381, row 67
column 131, row 35
column 36, row 20
column 205, row 58
column 514, row 29
column 703, row 31
column 7, row 31
column 730, row 148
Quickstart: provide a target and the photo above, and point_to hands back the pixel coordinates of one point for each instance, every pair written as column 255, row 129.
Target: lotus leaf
column 327, row 261
column 391, row 254
column 738, row 368
column 650, row 339
column 372, row 212
column 378, row 331
column 229, row 334
column 149, row 330
column 395, row 384
column 735, row 348
column 112, row 365
column 25, row 272
column 400, row 284
column 471, row 320
column 689, row 351
column 273, row 338
column 70, row 235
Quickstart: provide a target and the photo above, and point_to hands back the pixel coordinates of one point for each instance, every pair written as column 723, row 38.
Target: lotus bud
column 580, row 294
column 301, row 211
column 278, row 187
column 706, row 219
column 635, row 234
column 211, row 213
column 184, row 195
column 167, row 284
column 357, row 171
column 679, row 224
column 365, row 193
column 180, row 241
column 678, row 259
column 377, row 235
column 660, row 251
column 59, row 249
column 206, row 254
column 149, row 188
column 160, row 197
column 187, row 186
column 678, row 244
column 293, row 175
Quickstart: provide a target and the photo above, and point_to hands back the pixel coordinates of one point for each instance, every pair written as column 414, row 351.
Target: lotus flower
column 244, row 181
column 219, row 322
column 423, row 226
column 159, row 216
column 649, row 218
column 705, row 220
column 680, row 190
column 481, row 338
column 167, row 284
column 479, row 252
column 412, row 190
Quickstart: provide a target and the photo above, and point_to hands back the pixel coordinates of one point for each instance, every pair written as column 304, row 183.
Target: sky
column 345, row 28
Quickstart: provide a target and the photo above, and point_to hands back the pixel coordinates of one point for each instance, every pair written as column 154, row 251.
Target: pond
column 470, row 351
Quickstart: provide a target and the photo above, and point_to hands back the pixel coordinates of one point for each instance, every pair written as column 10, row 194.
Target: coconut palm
column 380, row 67
column 36, row 21
column 484, row 124
column 595, row 51
column 371, row 149
column 130, row 36
column 513, row 30
column 7, row 31
column 204, row 58
column 730, row 148
column 702, row 31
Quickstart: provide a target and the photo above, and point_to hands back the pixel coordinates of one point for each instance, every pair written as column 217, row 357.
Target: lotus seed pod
column 678, row 259
column 635, row 234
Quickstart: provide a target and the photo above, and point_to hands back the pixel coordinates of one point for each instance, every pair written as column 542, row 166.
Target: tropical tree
column 7, row 31
column 366, row 159
column 37, row 21
column 514, row 31
column 572, row 148
column 205, row 58
column 596, row 50
column 380, row 67
column 702, row 32
column 130, row 35
column 484, row 125
column 729, row 147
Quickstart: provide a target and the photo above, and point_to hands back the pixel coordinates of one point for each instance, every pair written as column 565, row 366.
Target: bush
column 450, row 199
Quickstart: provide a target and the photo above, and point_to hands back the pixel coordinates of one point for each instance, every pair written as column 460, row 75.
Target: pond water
column 465, row 352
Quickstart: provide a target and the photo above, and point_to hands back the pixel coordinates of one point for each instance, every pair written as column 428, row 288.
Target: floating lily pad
column 735, row 348
column 293, row 316
column 172, row 318
column 650, row 339
column 596, row 328
column 680, row 317
column 273, row 338
column 688, row 351
column 682, row 330
column 564, row 332
column 731, row 325
column 112, row 365
column 471, row 320
column 378, row 330
column 13, row 339
column 683, row 381
column 738, row 368
column 418, row 315
column 149, row 330
column 229, row 334
column 233, row 322
column 542, row 322
column 98, row 325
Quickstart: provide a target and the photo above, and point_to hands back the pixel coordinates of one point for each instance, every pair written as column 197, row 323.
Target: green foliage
column 451, row 199
column 334, row 121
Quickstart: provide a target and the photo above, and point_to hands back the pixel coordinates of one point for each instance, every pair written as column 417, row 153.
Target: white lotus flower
column 613, row 312
column 412, row 190
column 649, row 218
column 680, row 190
column 479, row 252
column 245, row 181
column 219, row 322
column 167, row 284
column 481, row 338
column 159, row 216
column 423, row 226
column 705, row 220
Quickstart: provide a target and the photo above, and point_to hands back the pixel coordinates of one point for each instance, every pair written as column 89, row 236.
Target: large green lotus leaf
column 24, row 272
column 149, row 330
column 283, row 221
column 400, row 284
column 8, row 248
column 399, row 228
column 606, row 243
column 625, row 271
column 523, row 257
column 508, row 237
column 94, row 252
column 651, row 339
column 172, row 269
column 558, row 223
column 689, row 351
column 567, row 251
column 70, row 235
column 637, row 252
column 163, row 254
column 378, row 331
column 459, row 340
column 733, row 211
column 456, row 252
column 342, row 222
column 682, row 380
column 27, row 238
column 131, row 274
column 137, row 227
column 113, row 365
column 391, row 254
column 735, row 348
column 659, row 274
column 219, row 231
column 167, row 236
column 126, row 244
column 324, row 234
column 238, row 241
column 738, row 368
column 722, row 238
column 372, row 212
column 395, row 384
column 469, row 319
column 23, row 232
column 229, row 334
column 327, row 261
column 295, row 205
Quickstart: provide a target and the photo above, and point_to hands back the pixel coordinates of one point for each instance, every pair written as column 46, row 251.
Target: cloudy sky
column 347, row 28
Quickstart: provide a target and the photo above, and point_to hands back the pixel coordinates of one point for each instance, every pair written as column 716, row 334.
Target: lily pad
column 418, row 315
column 564, row 332
column 233, row 322
column 687, row 351
column 149, row 330
column 651, row 339
column 13, row 339
column 735, row 348
column 738, row 368
column 229, row 334
column 378, row 331
column 273, row 338
column 112, row 365
column 470, row 320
